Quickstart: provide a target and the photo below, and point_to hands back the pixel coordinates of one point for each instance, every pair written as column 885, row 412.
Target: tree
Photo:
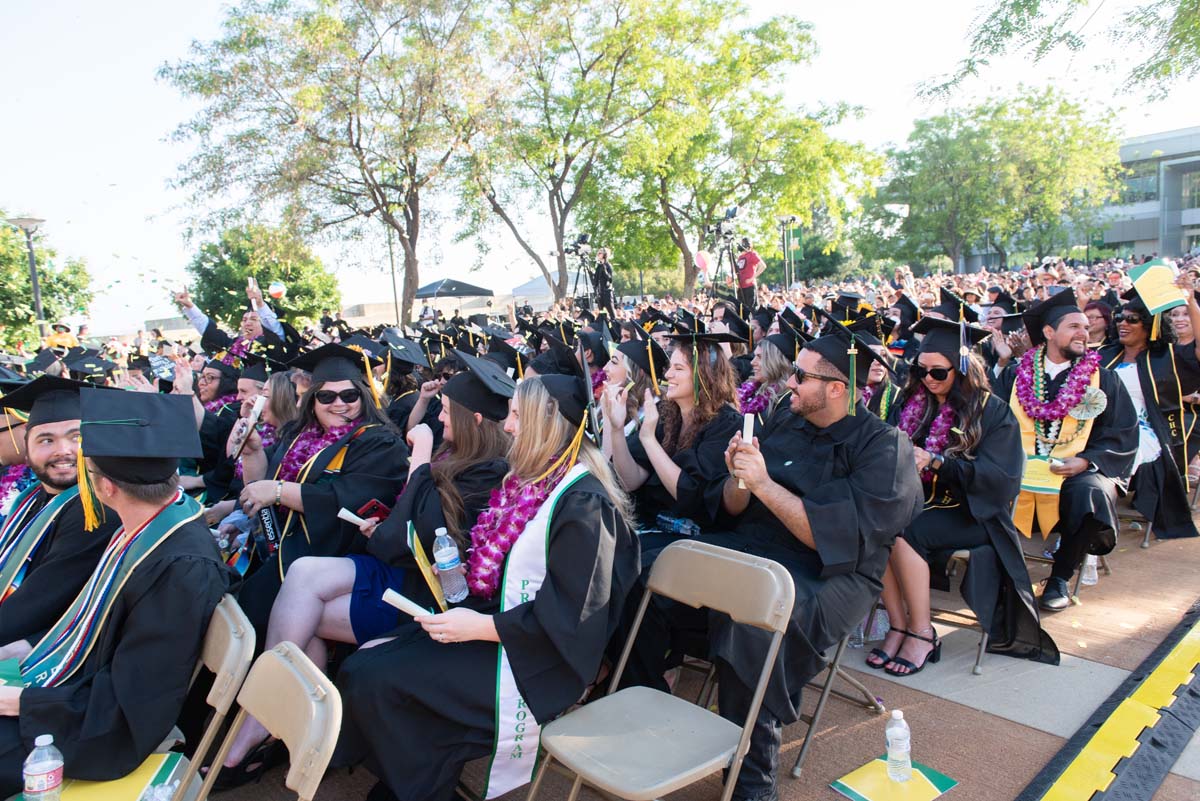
column 1164, row 33
column 65, row 288
column 333, row 113
column 220, row 270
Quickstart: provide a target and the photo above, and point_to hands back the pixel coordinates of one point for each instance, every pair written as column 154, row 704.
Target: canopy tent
column 537, row 293
column 450, row 288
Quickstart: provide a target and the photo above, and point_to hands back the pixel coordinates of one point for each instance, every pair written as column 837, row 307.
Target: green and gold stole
column 67, row 645
column 22, row 533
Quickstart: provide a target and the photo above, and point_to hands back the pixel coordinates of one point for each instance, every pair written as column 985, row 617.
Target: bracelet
column 278, row 492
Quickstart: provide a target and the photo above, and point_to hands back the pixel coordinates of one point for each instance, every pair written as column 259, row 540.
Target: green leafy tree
column 339, row 113
column 65, row 287
column 1163, row 37
column 220, row 269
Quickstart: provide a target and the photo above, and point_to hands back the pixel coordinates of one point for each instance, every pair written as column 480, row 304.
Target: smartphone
column 374, row 508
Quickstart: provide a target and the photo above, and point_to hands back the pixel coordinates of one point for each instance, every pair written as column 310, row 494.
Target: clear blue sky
column 85, row 123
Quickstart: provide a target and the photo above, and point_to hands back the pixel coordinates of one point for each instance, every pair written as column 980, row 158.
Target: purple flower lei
column 306, row 445
column 1031, row 390
column 754, row 398
column 213, row 406
column 237, row 350
column 266, row 432
column 498, row 527
column 599, row 378
column 939, row 431
column 11, row 484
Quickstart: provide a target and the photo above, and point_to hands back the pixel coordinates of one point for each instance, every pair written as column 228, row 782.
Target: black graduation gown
column 1160, row 492
column 399, row 409
column 742, row 366
column 702, row 471
column 417, row 710
column 875, row 404
column 60, row 567
column 1087, row 502
column 124, row 699
column 375, row 466
column 214, row 340
column 982, row 490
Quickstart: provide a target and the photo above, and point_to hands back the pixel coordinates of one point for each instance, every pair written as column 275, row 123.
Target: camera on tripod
column 724, row 228
column 580, row 246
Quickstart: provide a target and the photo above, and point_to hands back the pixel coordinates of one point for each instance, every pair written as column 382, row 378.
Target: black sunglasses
column 936, row 373
column 1132, row 319
column 328, row 396
column 802, row 374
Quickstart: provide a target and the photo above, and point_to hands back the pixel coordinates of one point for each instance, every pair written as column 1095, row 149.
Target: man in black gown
column 1085, row 517
column 827, row 493
column 112, row 702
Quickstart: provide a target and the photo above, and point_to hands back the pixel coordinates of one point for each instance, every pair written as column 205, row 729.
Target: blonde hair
column 776, row 366
column 545, row 434
column 640, row 381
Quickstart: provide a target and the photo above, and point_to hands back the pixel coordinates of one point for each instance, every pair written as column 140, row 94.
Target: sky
column 85, row 128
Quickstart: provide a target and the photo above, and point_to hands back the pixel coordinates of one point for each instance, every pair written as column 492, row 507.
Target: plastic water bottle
column 899, row 748
column 679, row 526
column 857, row 636
column 1088, row 575
column 43, row 771
column 445, row 553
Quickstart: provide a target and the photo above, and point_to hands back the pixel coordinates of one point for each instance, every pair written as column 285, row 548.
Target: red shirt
column 747, row 264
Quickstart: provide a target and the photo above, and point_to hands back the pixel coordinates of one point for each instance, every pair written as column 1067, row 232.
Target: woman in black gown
column 553, row 559
column 968, row 451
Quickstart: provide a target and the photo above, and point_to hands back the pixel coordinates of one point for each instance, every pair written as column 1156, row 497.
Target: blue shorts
column 370, row 617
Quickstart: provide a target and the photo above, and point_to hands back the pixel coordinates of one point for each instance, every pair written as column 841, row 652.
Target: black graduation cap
column 483, row 387
column 688, row 323
column 910, row 312
column 478, row 320
column 789, row 340
column 836, row 345
column 507, row 356
column 137, row 437
column 846, row 306
column 876, row 326
column 1048, row 312
column 335, row 362
column 10, row 379
column 649, row 356
column 737, row 325
column 558, row 360
column 573, row 391
column 764, row 317
column 953, row 308
column 587, row 316
column 360, row 342
column 1006, row 302
column 948, row 337
column 594, row 341
column 46, row 399
column 44, row 358
column 1012, row 323
column 405, row 350
column 91, row 367
column 708, row 337
column 224, row 368
column 259, row 368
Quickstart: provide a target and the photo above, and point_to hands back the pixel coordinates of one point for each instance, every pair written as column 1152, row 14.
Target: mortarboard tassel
column 653, row 377
column 371, row 380
column 964, row 351
column 92, row 511
column 1156, row 328
column 852, row 403
column 387, row 373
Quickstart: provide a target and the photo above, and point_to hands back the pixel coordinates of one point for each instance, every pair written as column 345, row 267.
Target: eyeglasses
column 936, row 373
column 802, row 374
column 1131, row 319
column 328, row 396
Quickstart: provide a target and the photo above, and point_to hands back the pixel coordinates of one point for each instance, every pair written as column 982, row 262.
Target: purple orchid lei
column 1030, row 385
column 939, row 431
column 599, row 379
column 236, row 351
column 754, row 398
column 497, row 528
column 213, row 406
column 11, row 484
column 306, row 445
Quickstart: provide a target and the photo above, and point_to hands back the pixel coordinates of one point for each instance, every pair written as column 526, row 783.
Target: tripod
column 582, row 269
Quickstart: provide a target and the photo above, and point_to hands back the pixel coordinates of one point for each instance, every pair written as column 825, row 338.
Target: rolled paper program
column 393, row 598
column 747, row 436
column 350, row 517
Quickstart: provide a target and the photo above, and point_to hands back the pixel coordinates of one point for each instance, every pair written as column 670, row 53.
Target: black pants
column 1087, row 505
column 746, row 296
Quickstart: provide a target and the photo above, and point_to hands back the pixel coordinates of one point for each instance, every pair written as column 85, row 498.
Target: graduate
column 967, row 447
column 1071, row 410
column 341, row 452
column 109, row 677
column 884, row 376
column 766, row 393
column 553, row 559
column 1158, row 375
column 638, row 365
column 676, row 453
column 828, row 488
column 46, row 555
column 261, row 330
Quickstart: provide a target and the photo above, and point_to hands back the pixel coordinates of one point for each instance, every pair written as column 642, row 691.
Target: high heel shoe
column 883, row 655
column 261, row 758
column 934, row 655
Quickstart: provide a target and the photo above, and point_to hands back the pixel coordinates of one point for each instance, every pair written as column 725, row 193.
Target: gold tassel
column 91, row 513
column 387, row 373
column 371, row 380
column 653, row 376
column 520, row 369
column 571, row 453
column 1156, row 328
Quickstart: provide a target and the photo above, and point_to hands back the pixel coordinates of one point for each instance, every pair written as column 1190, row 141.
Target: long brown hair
column 717, row 389
column 282, row 404
column 968, row 395
column 474, row 442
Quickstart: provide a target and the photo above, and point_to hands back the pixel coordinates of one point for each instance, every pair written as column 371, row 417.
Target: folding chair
column 227, row 651
column 641, row 744
column 833, row 671
column 296, row 703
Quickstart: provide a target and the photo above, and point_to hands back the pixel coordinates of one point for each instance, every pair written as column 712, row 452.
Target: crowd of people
column 894, row 422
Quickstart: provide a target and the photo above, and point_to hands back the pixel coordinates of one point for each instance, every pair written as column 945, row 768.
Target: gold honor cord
column 571, row 453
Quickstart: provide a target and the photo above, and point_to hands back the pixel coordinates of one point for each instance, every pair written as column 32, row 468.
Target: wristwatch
column 936, row 461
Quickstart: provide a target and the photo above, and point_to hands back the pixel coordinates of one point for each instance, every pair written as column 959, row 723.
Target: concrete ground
column 991, row 732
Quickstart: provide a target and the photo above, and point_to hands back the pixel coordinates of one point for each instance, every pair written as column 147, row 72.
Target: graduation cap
column 10, row 379
column 1048, row 312
column 909, row 312
column 587, row 316
column 1012, row 323
column 483, row 387
column 573, row 391
column 224, row 368
column 737, row 326
column 764, row 317
column 649, row 356
column 337, row 363
column 789, row 340
column 951, row 339
column 259, row 368
column 594, row 341
column 361, row 342
column 848, row 351
column 954, row 308
column 846, row 306
column 876, row 326
column 687, row 323
column 558, row 360
column 46, row 399
column 1006, row 302
column 44, row 358
column 134, row 437
column 91, row 367
column 405, row 350
column 707, row 341
column 507, row 356
column 1134, row 303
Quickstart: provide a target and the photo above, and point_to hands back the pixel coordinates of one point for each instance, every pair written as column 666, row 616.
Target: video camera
column 580, row 246
column 724, row 228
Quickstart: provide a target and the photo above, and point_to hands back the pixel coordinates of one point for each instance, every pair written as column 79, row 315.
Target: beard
column 808, row 406
column 42, row 471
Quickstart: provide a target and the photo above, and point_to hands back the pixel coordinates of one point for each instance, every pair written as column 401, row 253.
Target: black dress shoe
column 1056, row 595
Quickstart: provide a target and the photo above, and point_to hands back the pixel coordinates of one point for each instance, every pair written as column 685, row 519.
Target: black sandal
column 881, row 654
column 933, row 656
column 264, row 756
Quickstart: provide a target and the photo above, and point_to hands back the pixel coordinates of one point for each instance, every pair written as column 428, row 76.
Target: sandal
column 883, row 656
column 934, row 655
column 262, row 757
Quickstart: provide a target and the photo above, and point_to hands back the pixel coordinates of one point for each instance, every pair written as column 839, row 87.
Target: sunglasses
column 936, row 373
column 446, row 376
column 802, row 374
column 1132, row 319
column 328, row 396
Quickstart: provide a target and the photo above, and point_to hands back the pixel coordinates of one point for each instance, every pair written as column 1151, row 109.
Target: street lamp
column 29, row 225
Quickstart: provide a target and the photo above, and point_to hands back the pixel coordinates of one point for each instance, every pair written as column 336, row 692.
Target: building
column 1159, row 208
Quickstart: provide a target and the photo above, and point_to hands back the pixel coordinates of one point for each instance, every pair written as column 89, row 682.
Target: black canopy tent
column 450, row 288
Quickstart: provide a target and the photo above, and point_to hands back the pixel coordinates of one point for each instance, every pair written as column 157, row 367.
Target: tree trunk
column 679, row 238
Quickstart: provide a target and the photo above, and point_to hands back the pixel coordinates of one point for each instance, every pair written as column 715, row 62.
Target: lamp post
column 29, row 225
